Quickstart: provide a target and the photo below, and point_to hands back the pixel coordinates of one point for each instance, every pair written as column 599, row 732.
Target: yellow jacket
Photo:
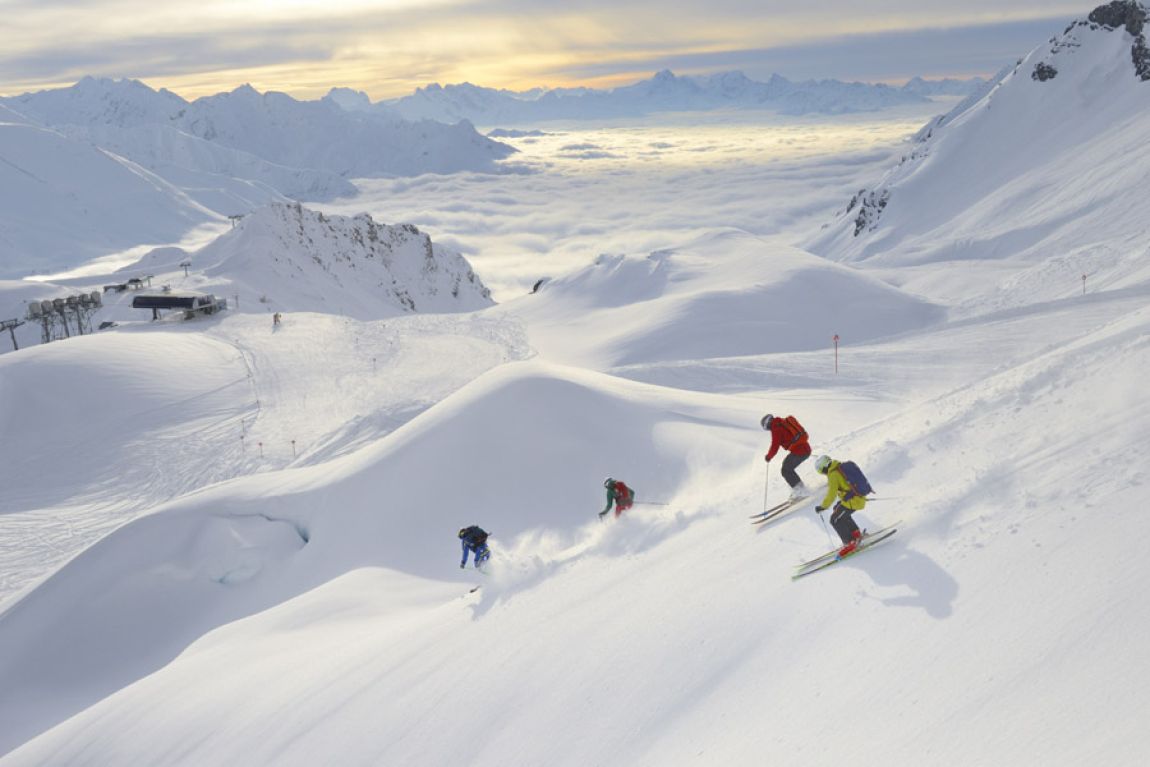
column 838, row 487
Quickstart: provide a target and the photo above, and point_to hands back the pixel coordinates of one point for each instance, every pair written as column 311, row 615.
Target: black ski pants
column 790, row 463
column 843, row 523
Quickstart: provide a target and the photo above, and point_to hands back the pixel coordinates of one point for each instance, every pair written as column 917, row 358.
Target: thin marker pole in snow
column 293, row 453
column 1083, row 284
column 243, row 445
column 836, row 340
column 261, row 450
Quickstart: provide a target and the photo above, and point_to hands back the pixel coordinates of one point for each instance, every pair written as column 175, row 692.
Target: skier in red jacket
column 787, row 433
column 619, row 494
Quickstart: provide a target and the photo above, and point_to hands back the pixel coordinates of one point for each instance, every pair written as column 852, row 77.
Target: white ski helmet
column 766, row 422
column 822, row 464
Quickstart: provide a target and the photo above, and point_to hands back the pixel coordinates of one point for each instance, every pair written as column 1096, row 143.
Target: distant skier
column 474, row 541
column 787, row 433
column 851, row 497
column 619, row 494
column 276, row 320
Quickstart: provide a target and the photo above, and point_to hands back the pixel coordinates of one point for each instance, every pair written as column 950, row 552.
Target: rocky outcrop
column 1043, row 72
column 870, row 205
column 1120, row 13
column 1131, row 16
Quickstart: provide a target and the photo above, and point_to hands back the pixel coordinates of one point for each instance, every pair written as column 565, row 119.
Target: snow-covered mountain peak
column 1027, row 187
column 1125, row 16
column 304, row 260
column 100, row 102
column 349, row 99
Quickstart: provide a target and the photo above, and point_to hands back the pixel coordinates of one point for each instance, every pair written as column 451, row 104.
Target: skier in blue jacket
column 474, row 541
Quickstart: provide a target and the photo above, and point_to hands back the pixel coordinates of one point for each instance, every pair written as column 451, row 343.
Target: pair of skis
column 773, row 513
column 831, row 557
column 869, row 541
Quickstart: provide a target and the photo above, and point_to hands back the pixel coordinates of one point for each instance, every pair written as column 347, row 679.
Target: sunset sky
column 389, row 47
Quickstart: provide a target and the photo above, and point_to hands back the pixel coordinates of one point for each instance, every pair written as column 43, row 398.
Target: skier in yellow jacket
column 849, row 502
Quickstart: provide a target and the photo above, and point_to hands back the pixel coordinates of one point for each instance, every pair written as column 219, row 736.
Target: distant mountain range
column 105, row 165
column 664, row 92
column 304, row 149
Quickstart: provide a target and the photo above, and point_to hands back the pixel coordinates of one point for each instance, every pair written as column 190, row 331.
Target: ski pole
column 649, row 503
column 766, row 486
column 826, row 529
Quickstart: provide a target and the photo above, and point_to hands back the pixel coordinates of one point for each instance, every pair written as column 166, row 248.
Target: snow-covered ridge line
column 1000, row 177
column 315, row 135
column 664, row 92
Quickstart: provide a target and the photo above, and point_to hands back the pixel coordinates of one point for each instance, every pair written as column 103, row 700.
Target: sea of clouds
column 575, row 191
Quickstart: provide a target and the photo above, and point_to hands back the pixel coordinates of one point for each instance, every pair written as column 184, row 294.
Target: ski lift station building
column 188, row 303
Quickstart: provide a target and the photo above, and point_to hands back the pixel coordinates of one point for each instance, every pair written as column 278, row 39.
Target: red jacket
column 781, row 436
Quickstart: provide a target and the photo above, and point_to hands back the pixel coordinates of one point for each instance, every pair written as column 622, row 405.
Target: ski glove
column 820, row 509
column 767, row 458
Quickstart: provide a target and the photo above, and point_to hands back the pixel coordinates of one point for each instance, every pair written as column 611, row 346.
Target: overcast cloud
column 389, row 47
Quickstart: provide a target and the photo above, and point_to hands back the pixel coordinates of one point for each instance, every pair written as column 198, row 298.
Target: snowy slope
column 951, row 634
column 723, row 294
column 220, row 178
column 1015, row 193
column 309, row 610
column 64, row 201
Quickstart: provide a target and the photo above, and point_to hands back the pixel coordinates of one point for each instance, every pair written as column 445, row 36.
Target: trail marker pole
column 1083, row 284
column 836, row 340
column 293, row 453
column 243, row 445
column 261, row 450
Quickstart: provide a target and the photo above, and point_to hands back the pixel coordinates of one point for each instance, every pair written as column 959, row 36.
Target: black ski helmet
column 766, row 422
column 462, row 531
column 608, row 482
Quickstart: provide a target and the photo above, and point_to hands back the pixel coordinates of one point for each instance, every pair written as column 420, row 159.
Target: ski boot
column 850, row 547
